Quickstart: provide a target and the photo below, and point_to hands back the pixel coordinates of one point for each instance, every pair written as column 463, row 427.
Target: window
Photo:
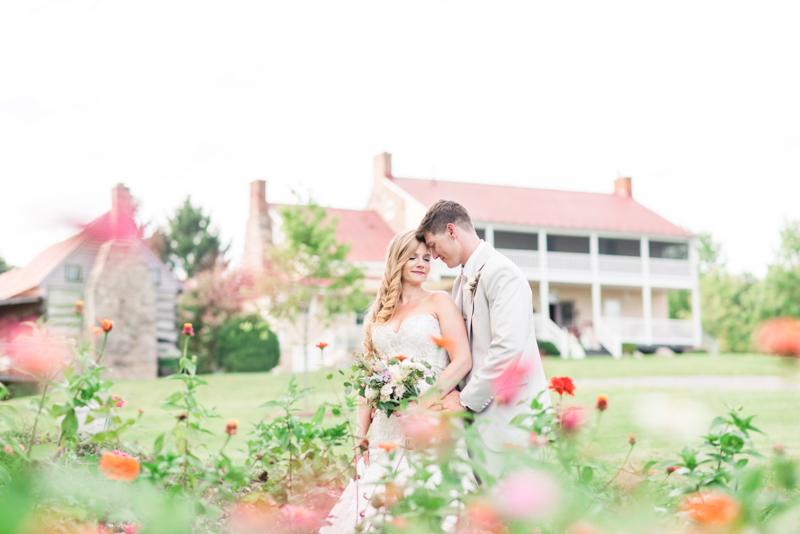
column 620, row 247
column 481, row 233
column 360, row 316
column 674, row 251
column 516, row 240
column 566, row 243
column 73, row 273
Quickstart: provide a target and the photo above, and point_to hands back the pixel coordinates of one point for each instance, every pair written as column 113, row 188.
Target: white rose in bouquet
column 372, row 394
column 386, row 390
column 400, row 390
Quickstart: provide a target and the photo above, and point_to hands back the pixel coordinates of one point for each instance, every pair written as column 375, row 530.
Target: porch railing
column 665, row 331
column 547, row 330
column 608, row 338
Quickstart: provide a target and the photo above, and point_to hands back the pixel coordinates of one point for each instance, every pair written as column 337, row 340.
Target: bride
column 401, row 321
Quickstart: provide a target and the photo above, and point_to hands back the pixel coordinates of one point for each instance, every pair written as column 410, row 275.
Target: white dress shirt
column 469, row 268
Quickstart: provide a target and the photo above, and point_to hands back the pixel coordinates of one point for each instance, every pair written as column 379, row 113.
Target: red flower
column 188, row 329
column 710, row 508
column 400, row 357
column 562, row 385
column 321, row 345
column 388, row 446
column 107, row 324
column 78, row 309
column 602, row 403
column 671, row 469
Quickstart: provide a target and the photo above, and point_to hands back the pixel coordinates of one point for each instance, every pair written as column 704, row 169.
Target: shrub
column 548, row 348
column 246, row 345
column 628, row 348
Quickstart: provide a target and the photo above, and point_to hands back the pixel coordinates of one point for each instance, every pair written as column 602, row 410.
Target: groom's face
column 445, row 246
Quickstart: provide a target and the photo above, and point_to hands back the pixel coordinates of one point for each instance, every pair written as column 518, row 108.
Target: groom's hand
column 451, row 402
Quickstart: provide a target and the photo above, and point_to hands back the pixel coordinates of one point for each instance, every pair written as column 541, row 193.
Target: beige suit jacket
column 499, row 319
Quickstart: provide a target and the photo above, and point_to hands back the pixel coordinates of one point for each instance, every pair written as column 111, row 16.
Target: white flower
column 386, row 390
column 371, row 394
column 397, row 373
column 5, row 364
column 400, row 391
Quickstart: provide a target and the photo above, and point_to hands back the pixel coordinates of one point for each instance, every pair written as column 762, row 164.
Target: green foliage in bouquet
column 388, row 383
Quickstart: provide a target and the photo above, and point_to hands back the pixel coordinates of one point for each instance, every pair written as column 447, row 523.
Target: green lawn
column 664, row 420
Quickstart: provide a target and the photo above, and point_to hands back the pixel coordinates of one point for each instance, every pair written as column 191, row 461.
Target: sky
column 696, row 101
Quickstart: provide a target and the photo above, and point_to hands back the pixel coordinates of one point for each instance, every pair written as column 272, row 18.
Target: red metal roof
column 365, row 231
column 544, row 207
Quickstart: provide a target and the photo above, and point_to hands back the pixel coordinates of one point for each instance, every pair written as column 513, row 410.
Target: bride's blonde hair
column 401, row 249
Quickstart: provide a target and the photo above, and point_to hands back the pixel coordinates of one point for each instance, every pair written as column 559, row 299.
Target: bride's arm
column 363, row 421
column 454, row 329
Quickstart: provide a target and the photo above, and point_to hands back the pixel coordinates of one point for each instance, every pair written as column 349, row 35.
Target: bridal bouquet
column 386, row 382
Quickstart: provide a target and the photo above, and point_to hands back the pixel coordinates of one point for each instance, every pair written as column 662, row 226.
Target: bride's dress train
column 413, row 340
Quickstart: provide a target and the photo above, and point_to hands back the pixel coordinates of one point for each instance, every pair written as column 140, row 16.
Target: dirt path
column 713, row 382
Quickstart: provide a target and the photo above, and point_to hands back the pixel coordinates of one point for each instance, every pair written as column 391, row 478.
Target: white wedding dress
column 413, row 340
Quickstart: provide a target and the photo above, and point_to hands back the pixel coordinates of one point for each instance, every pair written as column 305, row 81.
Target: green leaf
column 318, row 416
column 70, row 424
column 587, row 474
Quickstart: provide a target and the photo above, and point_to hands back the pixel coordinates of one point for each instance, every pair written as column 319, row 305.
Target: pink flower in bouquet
column 527, row 494
column 780, row 336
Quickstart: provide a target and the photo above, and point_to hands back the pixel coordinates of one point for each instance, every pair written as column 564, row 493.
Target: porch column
column 489, row 234
column 647, row 291
column 697, row 323
column 594, row 256
column 544, row 281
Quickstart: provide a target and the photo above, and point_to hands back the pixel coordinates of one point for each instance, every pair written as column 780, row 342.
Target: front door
column 563, row 313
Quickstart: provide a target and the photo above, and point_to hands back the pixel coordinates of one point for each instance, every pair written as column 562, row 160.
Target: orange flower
column 231, row 427
column 602, row 403
column 96, row 331
column 119, row 466
column 321, row 345
column 389, row 497
column 710, row 508
column 780, row 336
column 78, row 309
column 108, row 324
column 388, row 446
column 562, row 385
column 400, row 357
column 446, row 343
column 188, row 329
column 483, row 515
column 632, row 439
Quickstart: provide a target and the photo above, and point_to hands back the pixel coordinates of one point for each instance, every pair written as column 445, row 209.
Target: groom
column 496, row 302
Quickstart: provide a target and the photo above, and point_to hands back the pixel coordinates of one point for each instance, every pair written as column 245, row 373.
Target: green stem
column 38, row 413
column 227, row 440
column 103, row 349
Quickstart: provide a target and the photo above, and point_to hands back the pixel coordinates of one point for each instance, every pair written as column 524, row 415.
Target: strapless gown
column 414, row 341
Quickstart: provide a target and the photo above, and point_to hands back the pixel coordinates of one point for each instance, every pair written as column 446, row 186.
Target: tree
column 308, row 277
column 188, row 244
column 779, row 293
column 4, row 266
column 246, row 344
column 213, row 298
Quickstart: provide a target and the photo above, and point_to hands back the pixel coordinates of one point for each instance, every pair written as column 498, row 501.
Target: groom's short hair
column 442, row 213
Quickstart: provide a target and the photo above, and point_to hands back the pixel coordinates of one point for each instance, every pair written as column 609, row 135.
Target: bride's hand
column 362, row 451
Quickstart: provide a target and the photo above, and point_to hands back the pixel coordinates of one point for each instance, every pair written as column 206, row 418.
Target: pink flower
column 572, row 419
column 8, row 449
column 120, row 404
column 527, row 494
column 299, row 517
column 131, row 529
column 506, row 387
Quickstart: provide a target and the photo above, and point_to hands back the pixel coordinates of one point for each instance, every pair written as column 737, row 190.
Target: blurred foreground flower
column 119, row 466
column 572, row 419
column 321, row 345
column 780, row 336
column 188, row 329
column 483, row 517
column 78, row 309
column 38, row 353
column 106, row 324
column 232, row 427
column 507, row 387
column 427, row 429
column 713, row 509
column 388, row 446
column 528, row 494
column 602, row 403
column 445, row 343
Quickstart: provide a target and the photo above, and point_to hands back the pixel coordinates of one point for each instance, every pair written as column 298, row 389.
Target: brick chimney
column 259, row 227
column 383, row 166
column 622, row 187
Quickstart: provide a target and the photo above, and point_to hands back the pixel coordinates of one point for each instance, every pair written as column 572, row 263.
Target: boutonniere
column 472, row 285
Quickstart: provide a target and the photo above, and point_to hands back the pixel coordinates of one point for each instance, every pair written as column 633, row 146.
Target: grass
column 663, row 420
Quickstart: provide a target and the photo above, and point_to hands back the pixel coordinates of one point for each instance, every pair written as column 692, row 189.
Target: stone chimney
column 622, row 187
column 259, row 227
column 122, row 207
column 383, row 166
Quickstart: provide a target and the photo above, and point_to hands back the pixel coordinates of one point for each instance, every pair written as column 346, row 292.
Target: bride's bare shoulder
column 441, row 300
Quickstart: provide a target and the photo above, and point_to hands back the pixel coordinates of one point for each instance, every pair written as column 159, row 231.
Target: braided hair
column 402, row 247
